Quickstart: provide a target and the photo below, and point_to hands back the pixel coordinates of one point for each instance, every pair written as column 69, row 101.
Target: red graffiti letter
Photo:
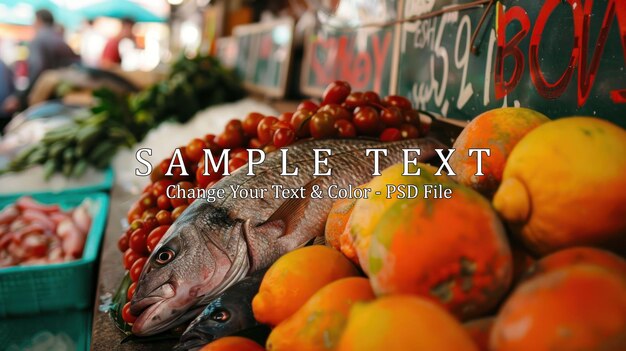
column 544, row 88
column 379, row 58
column 509, row 48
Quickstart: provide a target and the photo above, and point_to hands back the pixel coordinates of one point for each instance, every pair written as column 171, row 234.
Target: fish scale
column 212, row 246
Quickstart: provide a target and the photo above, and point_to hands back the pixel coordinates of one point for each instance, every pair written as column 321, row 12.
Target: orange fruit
column 451, row 251
column 576, row 255
column 480, row 330
column 403, row 323
column 233, row 343
column 318, row 325
column 580, row 307
column 367, row 213
column 563, row 186
column 294, row 278
column 498, row 130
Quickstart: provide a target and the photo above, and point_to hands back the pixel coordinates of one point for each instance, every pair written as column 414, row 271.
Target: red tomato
column 412, row 117
column 345, row 128
column 397, row 101
column 155, row 236
column 409, row 131
column 301, row 122
column 284, row 137
column 164, row 217
column 307, row 105
column 134, row 212
column 366, row 120
column 372, row 98
column 322, row 125
column 163, row 202
column 136, row 224
column 336, row 92
column 391, row 134
column 178, row 211
column 126, row 315
column 159, row 187
column 131, row 291
column 157, row 174
column 195, row 149
column 255, row 144
column 137, row 267
column 285, row 117
column 230, row 139
column 122, row 242
column 150, row 212
column 137, row 241
column 264, row 130
column 240, row 153
column 336, row 111
column 235, row 163
column 269, row 148
column 234, row 125
column 202, row 180
column 251, row 122
column 392, row 116
column 150, row 223
column 130, row 257
column 354, row 100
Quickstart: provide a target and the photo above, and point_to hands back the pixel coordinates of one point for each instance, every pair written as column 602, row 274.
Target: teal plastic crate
column 71, row 329
column 68, row 285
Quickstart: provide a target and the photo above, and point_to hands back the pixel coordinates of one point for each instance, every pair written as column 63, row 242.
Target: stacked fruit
column 341, row 114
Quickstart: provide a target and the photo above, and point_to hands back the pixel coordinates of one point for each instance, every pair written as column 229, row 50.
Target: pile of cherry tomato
column 341, row 114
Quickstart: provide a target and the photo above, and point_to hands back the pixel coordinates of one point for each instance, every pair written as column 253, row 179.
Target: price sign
column 558, row 57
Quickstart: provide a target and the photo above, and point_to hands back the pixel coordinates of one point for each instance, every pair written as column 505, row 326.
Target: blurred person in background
column 91, row 45
column 111, row 56
column 47, row 51
column 6, row 90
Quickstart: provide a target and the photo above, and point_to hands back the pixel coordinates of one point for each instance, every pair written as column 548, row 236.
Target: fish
column 229, row 313
column 213, row 245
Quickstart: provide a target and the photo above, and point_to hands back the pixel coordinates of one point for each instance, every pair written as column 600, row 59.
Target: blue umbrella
column 120, row 9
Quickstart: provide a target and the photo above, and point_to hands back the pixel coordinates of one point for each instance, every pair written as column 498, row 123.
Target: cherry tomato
column 136, row 224
column 157, row 174
column 134, row 212
column 336, row 92
column 230, row 139
column 209, row 139
column 163, row 202
column 203, row 179
column 130, row 257
column 155, row 236
column 178, row 211
column 122, row 242
column 264, row 130
column 147, row 188
column 195, row 149
column 345, row 128
column 412, row 117
column 251, row 123
column 391, row 134
column 159, row 187
column 131, row 291
column 371, row 98
column 392, row 116
column 255, row 144
column 301, row 122
column 240, row 153
column 126, row 315
column 284, row 137
column 235, row 163
column 269, row 148
column 322, row 125
column 137, row 241
column 150, row 223
column 366, row 120
column 136, row 268
column 354, row 100
column 336, row 111
column 234, row 125
column 397, row 101
column 285, row 117
column 307, row 105
column 409, row 131
column 164, row 217
column 149, row 212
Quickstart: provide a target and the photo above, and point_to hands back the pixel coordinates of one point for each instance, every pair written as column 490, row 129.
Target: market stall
column 395, row 174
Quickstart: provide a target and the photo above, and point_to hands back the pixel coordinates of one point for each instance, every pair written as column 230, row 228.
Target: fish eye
column 165, row 255
column 220, row 316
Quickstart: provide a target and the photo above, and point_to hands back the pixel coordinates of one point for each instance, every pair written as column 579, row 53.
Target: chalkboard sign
column 363, row 57
column 558, row 57
column 264, row 54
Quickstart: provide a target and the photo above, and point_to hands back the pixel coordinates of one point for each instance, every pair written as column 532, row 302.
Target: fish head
column 196, row 259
